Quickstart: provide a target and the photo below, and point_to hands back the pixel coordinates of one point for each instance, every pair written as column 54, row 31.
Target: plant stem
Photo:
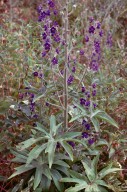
column 66, row 69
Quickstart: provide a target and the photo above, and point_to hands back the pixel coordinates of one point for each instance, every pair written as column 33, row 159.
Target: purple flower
column 94, row 65
column 94, row 93
column 85, row 135
column 71, row 143
column 39, row 9
column 47, row 46
column 54, row 61
column 70, row 79
column 101, row 33
column 91, row 29
column 109, row 40
column 82, row 52
column 86, row 38
column 57, row 51
column 87, row 103
column 98, row 25
column 35, row 116
column 91, row 141
column 91, row 19
column 83, row 89
column 87, row 126
column 35, row 74
column 43, row 54
column 31, row 95
column 44, row 35
column 97, row 46
column 82, row 101
column 57, row 38
column 55, row 12
column 21, row 95
column 58, row 145
column 94, row 85
column 73, row 69
column 47, row 104
column 48, row 12
column 43, row 15
column 84, row 122
column 51, row 4
column 45, row 27
column 94, row 105
column 53, row 30
column 88, row 94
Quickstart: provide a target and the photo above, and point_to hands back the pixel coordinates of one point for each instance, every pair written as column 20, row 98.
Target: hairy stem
column 66, row 69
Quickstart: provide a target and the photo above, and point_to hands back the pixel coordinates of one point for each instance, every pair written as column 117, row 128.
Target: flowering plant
column 63, row 97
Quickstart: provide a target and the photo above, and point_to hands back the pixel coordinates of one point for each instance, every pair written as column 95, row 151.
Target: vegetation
column 63, row 103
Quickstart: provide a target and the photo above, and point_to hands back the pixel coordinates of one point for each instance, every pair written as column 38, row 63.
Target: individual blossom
column 86, row 38
column 81, row 52
column 91, row 29
column 35, row 73
column 94, row 105
column 94, row 92
column 109, row 40
column 101, row 33
column 91, row 141
column 51, row 4
column 91, row 19
column 53, row 30
column 85, row 135
column 87, row 103
column 47, row 46
column 83, row 89
column 71, row 143
column 97, row 46
column 39, row 9
column 94, row 65
column 70, row 79
column 44, row 36
column 54, row 61
column 98, row 25
column 82, row 101
column 74, row 69
column 94, row 85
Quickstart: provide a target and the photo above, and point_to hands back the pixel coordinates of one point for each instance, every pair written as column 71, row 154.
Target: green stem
column 66, row 69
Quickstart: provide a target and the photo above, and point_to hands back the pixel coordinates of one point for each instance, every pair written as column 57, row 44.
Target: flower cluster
column 93, row 40
column 50, row 35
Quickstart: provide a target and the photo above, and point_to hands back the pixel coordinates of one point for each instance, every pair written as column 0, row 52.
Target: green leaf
column 25, row 144
column 71, row 180
column 77, row 187
column 67, row 148
column 75, row 118
column 96, row 124
column 103, row 189
column 35, row 152
column 101, row 182
column 70, row 135
column 45, row 183
column 106, row 117
column 62, row 163
column 111, row 152
column 46, row 172
column 94, row 164
column 107, row 171
column 56, row 178
column 53, row 126
column 41, row 128
column 21, row 169
column 38, row 176
column 51, row 150
column 89, row 171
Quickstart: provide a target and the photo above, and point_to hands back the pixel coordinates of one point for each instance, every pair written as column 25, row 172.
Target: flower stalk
column 66, row 69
